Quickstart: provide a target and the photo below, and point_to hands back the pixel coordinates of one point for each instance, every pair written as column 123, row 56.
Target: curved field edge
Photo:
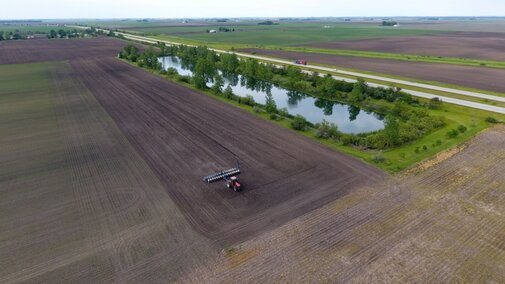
column 399, row 158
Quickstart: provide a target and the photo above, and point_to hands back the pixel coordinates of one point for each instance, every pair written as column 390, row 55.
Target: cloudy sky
column 37, row 9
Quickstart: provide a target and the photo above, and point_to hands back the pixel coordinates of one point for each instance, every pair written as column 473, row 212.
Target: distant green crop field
column 250, row 33
column 303, row 34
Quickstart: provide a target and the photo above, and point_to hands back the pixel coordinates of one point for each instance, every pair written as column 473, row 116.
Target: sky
column 66, row 9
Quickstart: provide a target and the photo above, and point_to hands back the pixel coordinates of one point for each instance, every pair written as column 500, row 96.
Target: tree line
column 61, row 33
column 405, row 118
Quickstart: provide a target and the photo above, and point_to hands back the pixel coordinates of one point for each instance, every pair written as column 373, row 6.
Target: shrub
column 185, row 79
column 327, row 130
column 270, row 105
column 299, row 123
column 172, row 71
column 378, row 158
column 462, row 128
column 346, row 139
column 491, row 119
column 283, row 112
column 425, row 148
column 435, row 103
column 247, row 100
column 228, row 93
column 452, row 133
column 274, row 116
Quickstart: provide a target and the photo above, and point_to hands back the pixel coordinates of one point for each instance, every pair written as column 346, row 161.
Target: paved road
column 426, row 95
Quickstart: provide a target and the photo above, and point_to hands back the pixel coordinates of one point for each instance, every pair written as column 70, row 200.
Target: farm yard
column 101, row 181
column 467, row 76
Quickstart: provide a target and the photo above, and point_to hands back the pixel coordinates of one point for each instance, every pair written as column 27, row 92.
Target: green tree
column 229, row 62
column 218, row 84
column 391, row 130
column 270, row 105
column 358, row 91
column 149, row 59
column 2, row 36
column 129, row 52
column 62, row 33
column 299, row 123
column 327, row 130
column 326, row 86
column 204, row 71
column 249, row 67
column 199, row 80
column 228, row 93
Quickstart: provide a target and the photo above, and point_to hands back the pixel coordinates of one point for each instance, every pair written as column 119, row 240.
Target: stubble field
column 476, row 45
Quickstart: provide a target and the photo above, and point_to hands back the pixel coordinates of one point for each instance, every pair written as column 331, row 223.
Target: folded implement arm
column 221, row 175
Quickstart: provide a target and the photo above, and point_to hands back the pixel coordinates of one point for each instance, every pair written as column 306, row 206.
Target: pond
column 348, row 118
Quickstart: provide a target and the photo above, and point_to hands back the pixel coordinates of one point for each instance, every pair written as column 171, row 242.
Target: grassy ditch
column 398, row 56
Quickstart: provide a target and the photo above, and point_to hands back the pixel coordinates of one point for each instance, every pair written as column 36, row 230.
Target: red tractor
column 301, row 62
column 230, row 177
column 232, row 183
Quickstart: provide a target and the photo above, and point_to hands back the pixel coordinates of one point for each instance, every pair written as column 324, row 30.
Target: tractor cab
column 233, row 183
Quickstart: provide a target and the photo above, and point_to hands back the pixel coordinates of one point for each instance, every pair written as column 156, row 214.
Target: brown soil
column 26, row 51
column 490, row 46
column 102, row 180
column 185, row 135
column 467, row 76
column 443, row 225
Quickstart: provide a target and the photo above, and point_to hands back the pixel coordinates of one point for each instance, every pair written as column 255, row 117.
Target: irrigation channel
column 348, row 118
